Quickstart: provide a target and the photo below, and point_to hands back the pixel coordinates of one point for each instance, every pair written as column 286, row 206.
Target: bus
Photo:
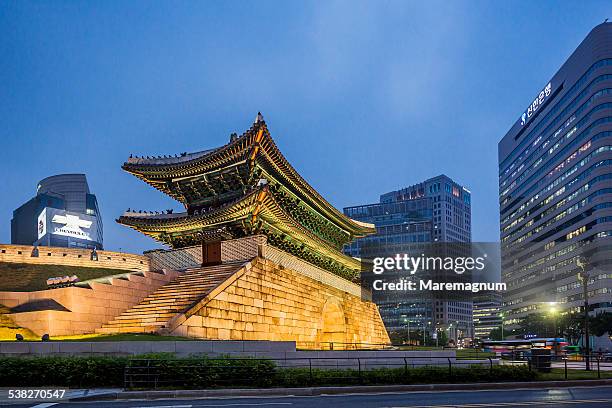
column 558, row 345
column 521, row 349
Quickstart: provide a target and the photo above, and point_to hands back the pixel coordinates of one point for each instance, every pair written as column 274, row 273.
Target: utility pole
column 408, row 326
column 582, row 264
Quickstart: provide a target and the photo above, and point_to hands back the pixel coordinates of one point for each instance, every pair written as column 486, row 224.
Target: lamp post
column 503, row 316
column 422, row 318
column 423, row 330
column 583, row 277
column 407, row 323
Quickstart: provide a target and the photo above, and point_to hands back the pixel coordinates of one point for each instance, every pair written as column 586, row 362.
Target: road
column 594, row 397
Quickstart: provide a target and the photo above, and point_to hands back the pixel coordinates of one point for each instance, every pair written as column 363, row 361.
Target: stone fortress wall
column 76, row 310
column 73, row 257
column 266, row 301
column 276, row 296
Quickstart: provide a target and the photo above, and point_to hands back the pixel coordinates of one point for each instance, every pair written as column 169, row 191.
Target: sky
column 362, row 97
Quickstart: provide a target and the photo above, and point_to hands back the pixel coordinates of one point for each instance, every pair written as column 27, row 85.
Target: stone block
column 136, row 347
column 333, row 354
column 105, row 347
column 163, row 346
column 194, row 347
column 194, row 320
column 272, row 355
column 196, row 332
column 227, row 346
column 44, row 348
column 14, row 348
column 76, row 347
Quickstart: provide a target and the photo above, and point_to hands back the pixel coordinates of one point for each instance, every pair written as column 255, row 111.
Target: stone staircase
column 154, row 312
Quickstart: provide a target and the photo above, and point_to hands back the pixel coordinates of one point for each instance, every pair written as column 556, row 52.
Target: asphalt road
column 595, row 397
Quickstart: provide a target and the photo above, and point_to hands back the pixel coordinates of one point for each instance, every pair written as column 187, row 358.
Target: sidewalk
column 94, row 395
column 71, row 394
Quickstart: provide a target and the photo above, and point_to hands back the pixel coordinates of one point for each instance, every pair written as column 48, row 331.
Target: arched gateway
column 333, row 331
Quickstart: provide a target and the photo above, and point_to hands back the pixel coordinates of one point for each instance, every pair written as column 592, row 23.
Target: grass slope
column 17, row 277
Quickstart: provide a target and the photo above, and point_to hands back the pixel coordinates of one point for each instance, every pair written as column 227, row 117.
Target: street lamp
column 581, row 262
column 407, row 323
column 422, row 318
column 437, row 334
column 503, row 316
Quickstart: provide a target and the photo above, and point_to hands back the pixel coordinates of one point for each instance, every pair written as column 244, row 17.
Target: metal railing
column 573, row 366
column 351, row 346
column 253, row 372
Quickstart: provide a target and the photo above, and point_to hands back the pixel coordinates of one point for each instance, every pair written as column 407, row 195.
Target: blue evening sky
column 361, row 97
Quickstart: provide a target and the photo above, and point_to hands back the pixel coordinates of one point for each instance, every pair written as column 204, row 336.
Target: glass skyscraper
column 555, row 183
column 436, row 210
column 63, row 213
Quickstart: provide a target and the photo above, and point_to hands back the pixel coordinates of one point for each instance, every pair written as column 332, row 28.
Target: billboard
column 41, row 225
column 67, row 226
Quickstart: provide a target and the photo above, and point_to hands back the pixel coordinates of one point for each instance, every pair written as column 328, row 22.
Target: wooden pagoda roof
column 257, row 205
column 253, row 147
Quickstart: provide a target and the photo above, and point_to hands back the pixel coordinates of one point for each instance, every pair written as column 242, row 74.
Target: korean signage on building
column 536, row 104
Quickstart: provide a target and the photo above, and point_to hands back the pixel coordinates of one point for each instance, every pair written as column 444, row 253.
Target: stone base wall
column 265, row 301
column 73, row 257
column 75, row 310
column 284, row 354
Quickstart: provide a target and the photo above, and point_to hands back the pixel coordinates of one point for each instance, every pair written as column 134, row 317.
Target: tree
column 442, row 338
column 568, row 325
column 533, row 324
column 601, row 324
column 496, row 334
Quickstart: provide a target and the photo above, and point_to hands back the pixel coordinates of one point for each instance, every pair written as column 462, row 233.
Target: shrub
column 295, row 377
column 202, row 372
column 62, row 371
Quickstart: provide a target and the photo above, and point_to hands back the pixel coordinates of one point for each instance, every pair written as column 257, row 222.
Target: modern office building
column 62, row 214
column 436, row 210
column 487, row 309
column 555, row 183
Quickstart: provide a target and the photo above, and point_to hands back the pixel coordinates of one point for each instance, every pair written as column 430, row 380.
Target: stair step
column 158, row 308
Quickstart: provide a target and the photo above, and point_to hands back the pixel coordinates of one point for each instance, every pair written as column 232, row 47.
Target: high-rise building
column 62, row 214
column 436, row 210
column 555, row 183
column 487, row 308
